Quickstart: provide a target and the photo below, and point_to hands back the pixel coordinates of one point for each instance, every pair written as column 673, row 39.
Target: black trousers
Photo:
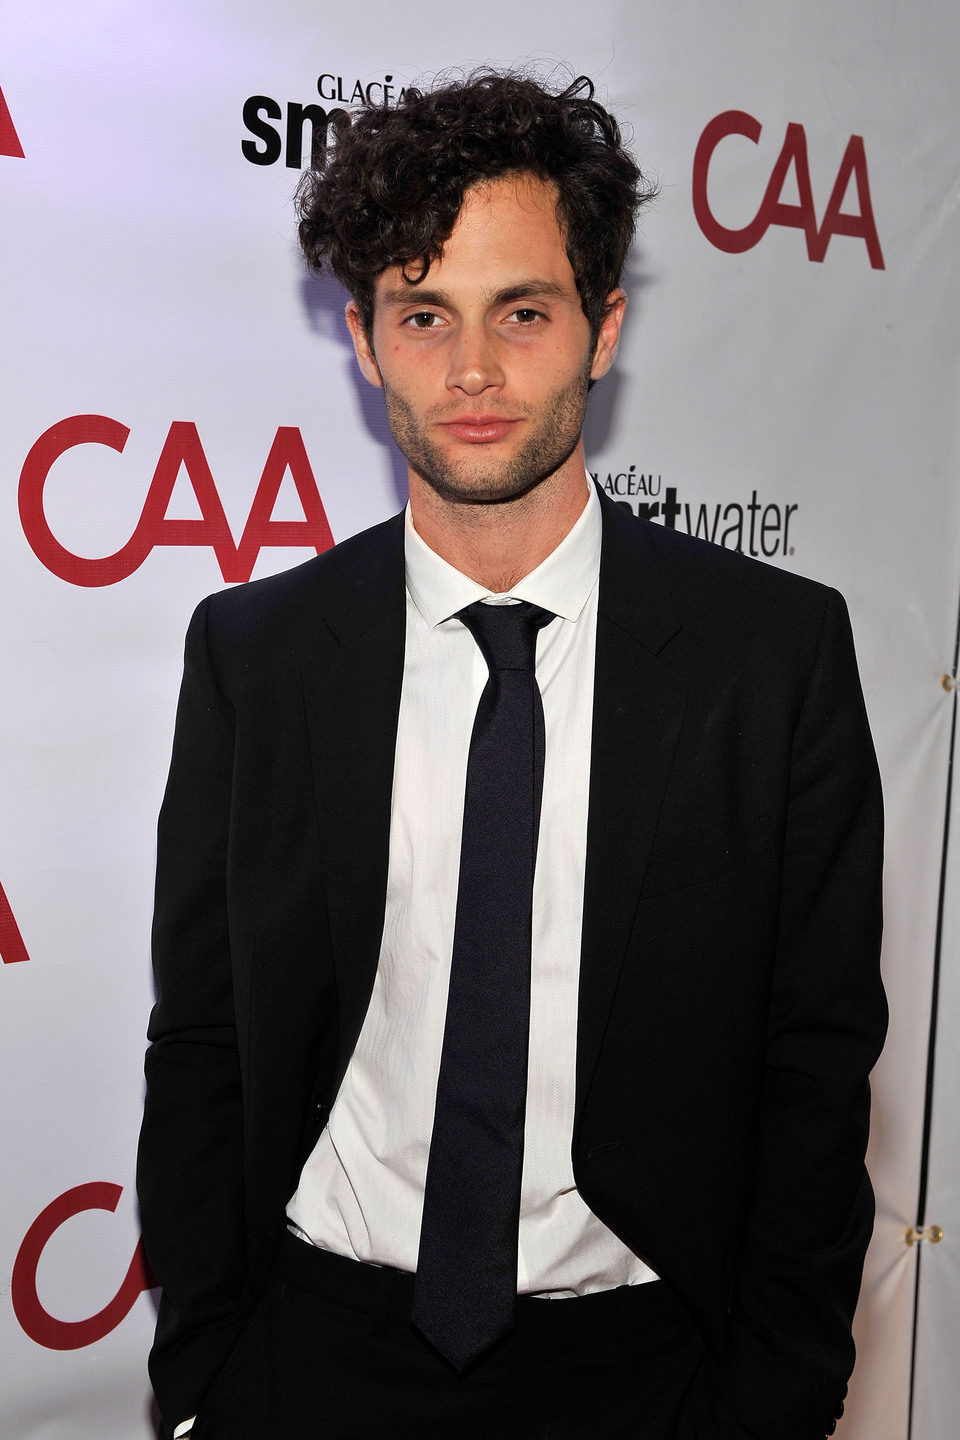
column 330, row 1354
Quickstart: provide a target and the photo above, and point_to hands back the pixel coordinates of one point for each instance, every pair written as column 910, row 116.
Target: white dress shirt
column 361, row 1190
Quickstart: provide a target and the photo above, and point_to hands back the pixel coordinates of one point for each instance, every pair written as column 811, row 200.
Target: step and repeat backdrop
column 181, row 411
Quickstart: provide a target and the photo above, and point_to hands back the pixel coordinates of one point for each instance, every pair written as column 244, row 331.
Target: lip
column 479, row 429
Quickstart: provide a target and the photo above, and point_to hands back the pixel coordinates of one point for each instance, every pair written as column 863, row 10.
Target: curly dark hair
column 391, row 185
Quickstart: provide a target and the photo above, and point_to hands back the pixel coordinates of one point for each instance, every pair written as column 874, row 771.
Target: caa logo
column 181, row 449
column 36, row 1321
column 9, row 139
column 774, row 211
column 42, row 1327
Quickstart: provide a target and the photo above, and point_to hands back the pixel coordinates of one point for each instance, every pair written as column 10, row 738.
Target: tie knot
column 506, row 634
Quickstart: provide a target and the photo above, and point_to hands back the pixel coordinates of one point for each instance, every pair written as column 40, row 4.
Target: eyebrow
column 527, row 289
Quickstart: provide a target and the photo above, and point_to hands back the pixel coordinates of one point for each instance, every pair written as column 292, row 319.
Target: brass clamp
column 916, row 1234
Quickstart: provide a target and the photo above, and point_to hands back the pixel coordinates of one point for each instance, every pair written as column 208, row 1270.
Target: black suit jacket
column 730, row 1003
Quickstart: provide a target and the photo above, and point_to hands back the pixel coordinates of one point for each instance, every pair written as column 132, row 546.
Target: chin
column 482, row 490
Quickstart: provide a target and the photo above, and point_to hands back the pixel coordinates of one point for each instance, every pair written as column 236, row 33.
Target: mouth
column 478, row 429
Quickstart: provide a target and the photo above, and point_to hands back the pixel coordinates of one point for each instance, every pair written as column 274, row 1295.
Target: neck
column 497, row 544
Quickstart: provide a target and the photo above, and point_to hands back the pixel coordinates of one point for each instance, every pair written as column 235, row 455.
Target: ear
column 361, row 344
column 609, row 336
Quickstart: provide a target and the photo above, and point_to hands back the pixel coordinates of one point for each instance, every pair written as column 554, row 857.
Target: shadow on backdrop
column 323, row 299
column 613, row 397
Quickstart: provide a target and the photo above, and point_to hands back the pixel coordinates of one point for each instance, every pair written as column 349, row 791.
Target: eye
column 422, row 320
column 526, row 315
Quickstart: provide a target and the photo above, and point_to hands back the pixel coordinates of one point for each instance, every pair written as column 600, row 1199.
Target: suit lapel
column 639, row 699
column 352, row 681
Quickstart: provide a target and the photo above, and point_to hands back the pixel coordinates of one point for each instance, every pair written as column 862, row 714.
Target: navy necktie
column 466, row 1281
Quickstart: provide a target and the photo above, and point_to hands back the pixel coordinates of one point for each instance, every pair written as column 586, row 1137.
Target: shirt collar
column 561, row 583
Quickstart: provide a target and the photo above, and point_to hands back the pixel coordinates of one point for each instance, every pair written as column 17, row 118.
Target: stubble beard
column 476, row 480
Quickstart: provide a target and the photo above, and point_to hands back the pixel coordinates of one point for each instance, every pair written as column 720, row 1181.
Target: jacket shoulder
column 714, row 590
column 358, row 575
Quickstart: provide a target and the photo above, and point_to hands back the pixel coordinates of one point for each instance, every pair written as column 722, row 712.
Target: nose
column 474, row 365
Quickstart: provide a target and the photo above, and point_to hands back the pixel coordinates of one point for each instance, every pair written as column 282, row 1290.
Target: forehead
column 513, row 208
column 506, row 228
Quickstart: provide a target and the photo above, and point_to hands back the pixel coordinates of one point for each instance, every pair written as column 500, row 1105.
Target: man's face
column 485, row 364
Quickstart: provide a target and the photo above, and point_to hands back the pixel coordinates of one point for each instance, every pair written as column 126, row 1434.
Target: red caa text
column 774, row 211
column 46, row 1329
column 181, row 449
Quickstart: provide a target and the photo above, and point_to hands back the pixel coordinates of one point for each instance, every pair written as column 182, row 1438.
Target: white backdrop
column 149, row 278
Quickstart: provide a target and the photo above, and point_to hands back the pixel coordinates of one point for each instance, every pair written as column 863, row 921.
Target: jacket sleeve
column 791, row 1351
column 189, row 1170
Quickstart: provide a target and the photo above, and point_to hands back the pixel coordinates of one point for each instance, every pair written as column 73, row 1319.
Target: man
column 438, row 1143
